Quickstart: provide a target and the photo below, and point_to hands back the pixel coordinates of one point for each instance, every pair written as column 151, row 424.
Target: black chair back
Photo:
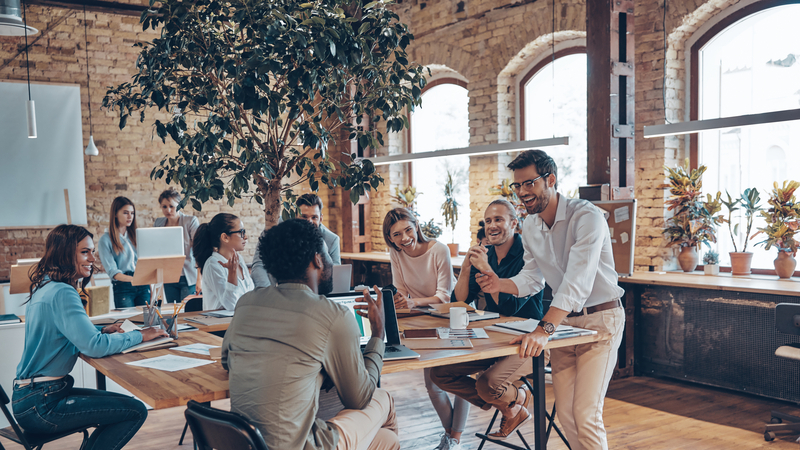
column 18, row 436
column 787, row 318
column 222, row 430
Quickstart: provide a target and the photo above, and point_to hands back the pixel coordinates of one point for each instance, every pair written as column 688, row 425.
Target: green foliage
column 694, row 220
column 406, row 197
column 430, row 229
column 450, row 205
column 711, row 257
column 782, row 217
column 748, row 203
column 504, row 190
column 256, row 91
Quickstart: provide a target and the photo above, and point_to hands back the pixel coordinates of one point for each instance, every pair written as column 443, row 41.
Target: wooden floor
column 640, row 413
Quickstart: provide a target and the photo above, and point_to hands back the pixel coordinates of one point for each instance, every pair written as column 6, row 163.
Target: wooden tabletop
column 161, row 389
column 762, row 284
column 383, row 257
column 494, row 347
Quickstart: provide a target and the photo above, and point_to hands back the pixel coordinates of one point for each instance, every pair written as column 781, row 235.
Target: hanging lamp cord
column 553, row 68
column 664, row 81
column 86, row 47
column 27, row 61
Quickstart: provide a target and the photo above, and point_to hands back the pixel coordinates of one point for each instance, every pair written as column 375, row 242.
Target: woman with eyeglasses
column 225, row 276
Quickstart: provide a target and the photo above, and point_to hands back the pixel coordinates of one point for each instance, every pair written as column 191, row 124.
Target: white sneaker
column 454, row 444
column 448, row 443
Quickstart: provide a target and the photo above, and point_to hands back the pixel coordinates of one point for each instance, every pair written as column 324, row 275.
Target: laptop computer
column 159, row 242
column 394, row 348
column 342, row 274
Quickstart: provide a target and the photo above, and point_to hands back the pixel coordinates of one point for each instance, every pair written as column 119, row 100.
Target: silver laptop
column 394, row 348
column 159, row 242
column 342, row 274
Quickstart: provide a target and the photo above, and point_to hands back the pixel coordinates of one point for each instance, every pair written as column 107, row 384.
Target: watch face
column 548, row 327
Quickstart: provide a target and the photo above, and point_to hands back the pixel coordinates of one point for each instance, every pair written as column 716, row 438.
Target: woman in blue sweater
column 117, row 250
column 57, row 329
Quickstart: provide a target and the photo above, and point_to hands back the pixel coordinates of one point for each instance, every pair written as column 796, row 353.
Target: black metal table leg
column 539, row 411
column 101, row 380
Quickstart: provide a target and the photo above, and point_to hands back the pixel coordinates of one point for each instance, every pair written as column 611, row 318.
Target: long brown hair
column 397, row 215
column 113, row 226
column 60, row 258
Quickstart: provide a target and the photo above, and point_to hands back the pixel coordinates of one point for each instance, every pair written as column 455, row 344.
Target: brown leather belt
column 616, row 303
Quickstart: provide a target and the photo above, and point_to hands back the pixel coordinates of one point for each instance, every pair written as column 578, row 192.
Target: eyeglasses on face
column 242, row 233
column 527, row 183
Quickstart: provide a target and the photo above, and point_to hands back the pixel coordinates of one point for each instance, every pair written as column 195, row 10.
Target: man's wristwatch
column 548, row 327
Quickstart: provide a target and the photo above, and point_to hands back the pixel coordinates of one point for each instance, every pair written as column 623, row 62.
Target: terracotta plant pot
column 740, row 263
column 453, row 249
column 688, row 259
column 785, row 264
column 711, row 269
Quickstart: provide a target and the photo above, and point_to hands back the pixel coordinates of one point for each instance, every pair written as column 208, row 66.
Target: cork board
column 621, row 218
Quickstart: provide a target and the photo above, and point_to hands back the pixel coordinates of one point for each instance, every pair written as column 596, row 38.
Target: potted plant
column 406, row 197
column 430, row 229
column 740, row 261
column 694, row 219
column 504, row 190
column 711, row 263
column 450, row 210
column 783, row 220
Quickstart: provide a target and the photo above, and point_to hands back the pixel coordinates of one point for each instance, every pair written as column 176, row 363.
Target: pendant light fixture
column 91, row 149
column 11, row 23
column 31, row 107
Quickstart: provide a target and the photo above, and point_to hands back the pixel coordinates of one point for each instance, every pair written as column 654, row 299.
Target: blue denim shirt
column 114, row 262
column 57, row 329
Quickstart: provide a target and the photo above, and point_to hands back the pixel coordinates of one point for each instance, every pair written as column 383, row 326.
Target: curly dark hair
column 289, row 247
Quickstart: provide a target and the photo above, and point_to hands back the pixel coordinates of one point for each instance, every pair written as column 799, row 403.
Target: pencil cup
column 150, row 316
column 170, row 325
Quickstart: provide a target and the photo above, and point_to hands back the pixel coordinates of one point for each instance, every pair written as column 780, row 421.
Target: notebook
column 394, row 348
column 527, row 326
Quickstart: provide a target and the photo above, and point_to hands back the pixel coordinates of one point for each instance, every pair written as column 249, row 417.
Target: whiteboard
column 35, row 172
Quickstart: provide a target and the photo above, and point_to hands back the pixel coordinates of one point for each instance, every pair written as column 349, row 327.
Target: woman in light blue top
column 57, row 329
column 118, row 254
column 169, row 200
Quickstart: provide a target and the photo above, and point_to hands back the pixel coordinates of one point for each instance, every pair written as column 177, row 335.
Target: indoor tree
column 256, row 91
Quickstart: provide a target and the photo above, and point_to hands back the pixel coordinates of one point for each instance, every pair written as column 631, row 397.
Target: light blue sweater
column 57, row 329
column 114, row 262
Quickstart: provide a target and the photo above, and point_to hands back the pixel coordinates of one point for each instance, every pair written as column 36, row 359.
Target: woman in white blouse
column 225, row 276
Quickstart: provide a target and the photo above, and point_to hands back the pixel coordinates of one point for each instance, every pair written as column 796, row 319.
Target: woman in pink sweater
column 423, row 274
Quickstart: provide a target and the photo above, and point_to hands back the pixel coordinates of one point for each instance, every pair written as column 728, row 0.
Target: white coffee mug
column 459, row 319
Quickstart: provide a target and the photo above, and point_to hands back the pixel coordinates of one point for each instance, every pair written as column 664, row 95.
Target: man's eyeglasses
column 527, row 183
column 242, row 233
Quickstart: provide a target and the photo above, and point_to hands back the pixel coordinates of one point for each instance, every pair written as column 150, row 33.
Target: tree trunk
column 271, row 191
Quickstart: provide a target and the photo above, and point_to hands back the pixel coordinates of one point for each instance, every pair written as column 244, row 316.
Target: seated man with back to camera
column 310, row 207
column 287, row 339
column 497, row 385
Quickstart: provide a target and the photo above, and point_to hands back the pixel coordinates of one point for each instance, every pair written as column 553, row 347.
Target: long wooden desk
column 161, row 389
column 757, row 284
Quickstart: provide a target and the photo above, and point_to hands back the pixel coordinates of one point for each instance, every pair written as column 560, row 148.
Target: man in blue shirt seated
column 498, row 384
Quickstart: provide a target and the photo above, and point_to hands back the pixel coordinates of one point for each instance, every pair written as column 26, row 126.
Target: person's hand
column 148, row 334
column 479, row 258
column 531, row 344
column 489, row 282
column 400, row 301
column 124, row 278
column 373, row 310
column 113, row 328
column 233, row 269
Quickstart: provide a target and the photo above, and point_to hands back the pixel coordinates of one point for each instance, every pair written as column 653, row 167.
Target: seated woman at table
column 57, row 329
column 117, row 250
column 225, row 276
column 168, row 200
column 423, row 274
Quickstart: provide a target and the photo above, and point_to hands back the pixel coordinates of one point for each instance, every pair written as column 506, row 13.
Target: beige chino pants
column 372, row 428
column 581, row 374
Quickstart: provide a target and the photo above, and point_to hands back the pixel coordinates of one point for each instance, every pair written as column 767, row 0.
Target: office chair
column 222, row 430
column 787, row 320
column 551, row 425
column 33, row 441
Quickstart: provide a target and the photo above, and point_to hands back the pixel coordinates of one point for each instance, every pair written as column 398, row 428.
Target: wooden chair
column 33, row 441
column 551, row 426
column 787, row 320
column 221, row 430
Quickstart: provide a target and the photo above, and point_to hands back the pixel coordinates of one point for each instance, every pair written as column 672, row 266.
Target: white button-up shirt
column 574, row 256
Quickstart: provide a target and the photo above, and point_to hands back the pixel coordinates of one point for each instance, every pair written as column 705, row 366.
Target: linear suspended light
column 695, row 126
column 471, row 151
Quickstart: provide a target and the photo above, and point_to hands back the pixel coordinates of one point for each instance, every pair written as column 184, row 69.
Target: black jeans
column 53, row 406
column 127, row 295
column 176, row 292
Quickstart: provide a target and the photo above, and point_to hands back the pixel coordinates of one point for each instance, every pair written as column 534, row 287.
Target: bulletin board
column 621, row 218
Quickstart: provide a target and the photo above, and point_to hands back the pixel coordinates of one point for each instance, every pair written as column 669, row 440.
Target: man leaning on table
column 498, row 384
column 567, row 243
column 288, row 339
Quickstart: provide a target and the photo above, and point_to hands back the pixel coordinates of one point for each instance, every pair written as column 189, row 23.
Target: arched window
column 442, row 123
column 553, row 104
column 748, row 63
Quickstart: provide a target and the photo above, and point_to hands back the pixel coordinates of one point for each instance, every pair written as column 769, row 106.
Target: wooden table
column 161, row 389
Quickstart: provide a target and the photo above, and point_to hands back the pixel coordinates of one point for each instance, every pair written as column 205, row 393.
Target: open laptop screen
column 363, row 323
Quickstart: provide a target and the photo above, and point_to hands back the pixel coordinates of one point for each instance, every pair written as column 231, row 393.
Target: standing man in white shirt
column 567, row 243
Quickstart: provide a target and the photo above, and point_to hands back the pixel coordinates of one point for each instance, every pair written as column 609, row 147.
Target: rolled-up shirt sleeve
column 582, row 264
column 529, row 280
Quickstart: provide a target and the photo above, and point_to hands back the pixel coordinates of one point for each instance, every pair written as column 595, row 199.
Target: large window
column 751, row 66
column 553, row 104
column 442, row 123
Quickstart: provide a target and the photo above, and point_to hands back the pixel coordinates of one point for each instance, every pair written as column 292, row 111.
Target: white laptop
column 341, row 278
column 159, row 242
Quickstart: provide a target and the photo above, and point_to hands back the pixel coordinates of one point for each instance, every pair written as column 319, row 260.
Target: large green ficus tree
column 256, row 91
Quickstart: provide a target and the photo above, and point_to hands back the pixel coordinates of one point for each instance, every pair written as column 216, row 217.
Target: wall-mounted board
column 621, row 218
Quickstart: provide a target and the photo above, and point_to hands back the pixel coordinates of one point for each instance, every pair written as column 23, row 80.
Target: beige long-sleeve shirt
column 281, row 344
column 427, row 275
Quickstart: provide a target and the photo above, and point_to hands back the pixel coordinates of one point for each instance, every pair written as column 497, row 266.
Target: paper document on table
column 200, row 349
column 469, row 333
column 527, row 326
column 129, row 326
column 220, row 313
column 170, row 363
